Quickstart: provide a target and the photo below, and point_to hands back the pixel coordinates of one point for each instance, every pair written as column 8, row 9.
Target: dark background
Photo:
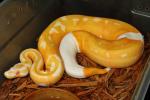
column 119, row 9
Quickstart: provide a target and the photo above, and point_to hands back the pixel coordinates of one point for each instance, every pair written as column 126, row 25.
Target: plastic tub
column 22, row 21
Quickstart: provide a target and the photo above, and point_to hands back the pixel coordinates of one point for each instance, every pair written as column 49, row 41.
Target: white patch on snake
column 43, row 44
column 53, row 30
column 123, row 55
column 108, row 55
column 132, row 35
column 75, row 20
column 71, row 66
column 85, row 19
column 96, row 19
column 53, row 63
column 63, row 18
column 59, row 24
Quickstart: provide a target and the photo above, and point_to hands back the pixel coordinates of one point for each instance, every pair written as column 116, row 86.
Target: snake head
column 18, row 70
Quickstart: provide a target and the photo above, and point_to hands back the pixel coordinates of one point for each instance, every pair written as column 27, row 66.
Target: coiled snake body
column 108, row 42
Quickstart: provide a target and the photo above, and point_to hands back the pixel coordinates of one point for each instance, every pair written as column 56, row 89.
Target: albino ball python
column 108, row 42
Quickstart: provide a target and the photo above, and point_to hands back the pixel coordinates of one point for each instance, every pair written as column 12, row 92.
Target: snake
column 108, row 42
